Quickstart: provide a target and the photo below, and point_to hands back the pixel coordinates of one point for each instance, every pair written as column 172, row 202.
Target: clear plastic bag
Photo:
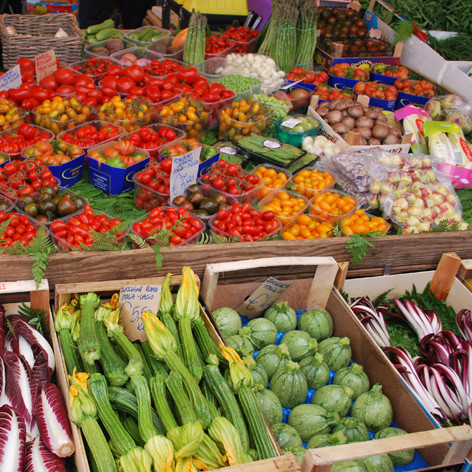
column 452, row 108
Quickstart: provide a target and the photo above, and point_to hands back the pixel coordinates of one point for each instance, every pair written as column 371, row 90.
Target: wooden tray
column 63, row 294
column 229, row 284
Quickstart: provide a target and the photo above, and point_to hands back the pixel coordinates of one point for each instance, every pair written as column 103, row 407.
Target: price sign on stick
column 184, row 172
column 134, row 300
column 45, row 64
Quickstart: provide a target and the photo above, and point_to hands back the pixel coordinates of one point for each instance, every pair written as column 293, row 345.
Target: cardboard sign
column 134, row 300
column 184, row 172
column 263, row 297
column 45, row 64
column 11, row 79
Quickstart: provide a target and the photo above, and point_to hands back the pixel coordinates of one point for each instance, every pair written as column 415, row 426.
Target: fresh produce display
column 423, row 88
column 146, row 35
column 10, row 115
column 340, row 23
column 332, row 206
column 217, row 46
column 242, row 38
column 194, row 49
column 239, row 83
column 152, row 137
column 271, row 177
column 50, row 203
column 308, row 227
column 242, row 118
column 376, row 90
column 131, row 114
column 358, row 47
column 163, row 67
column 188, row 114
column 33, row 419
column 76, row 232
column 102, row 31
column 326, row 92
column 286, row 205
column 121, row 154
column 21, row 137
column 245, row 223
column 159, row 405
column 180, row 148
column 400, row 72
column 255, row 65
column 360, row 222
column 231, row 179
column 313, row 403
column 59, row 114
column 345, row 115
column 91, row 134
column 430, row 331
column 181, row 224
column 347, row 71
column 413, row 195
column 105, row 47
column 295, row 128
column 201, row 203
column 278, row 153
column 307, row 77
column 152, row 185
column 27, row 96
column 93, row 67
column 19, row 228
column 20, row 177
column 310, row 182
column 53, row 153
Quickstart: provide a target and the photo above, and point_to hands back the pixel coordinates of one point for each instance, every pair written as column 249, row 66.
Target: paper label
column 271, row 144
column 134, row 300
column 45, row 64
column 263, row 297
column 228, row 150
column 11, row 79
column 291, row 123
column 184, row 172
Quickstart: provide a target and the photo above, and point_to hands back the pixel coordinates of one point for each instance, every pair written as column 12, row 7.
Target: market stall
column 304, row 173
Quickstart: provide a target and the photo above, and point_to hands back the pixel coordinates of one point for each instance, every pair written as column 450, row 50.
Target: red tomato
column 125, row 84
column 49, row 83
column 109, row 81
column 135, row 73
column 64, row 76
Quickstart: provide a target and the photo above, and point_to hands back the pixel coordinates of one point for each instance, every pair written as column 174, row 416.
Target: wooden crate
column 235, row 282
column 63, row 294
column 397, row 254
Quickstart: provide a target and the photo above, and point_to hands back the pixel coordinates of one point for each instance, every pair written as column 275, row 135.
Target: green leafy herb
column 403, row 30
column 382, row 298
column 106, row 241
column 445, row 225
column 38, row 249
column 35, row 318
column 358, row 245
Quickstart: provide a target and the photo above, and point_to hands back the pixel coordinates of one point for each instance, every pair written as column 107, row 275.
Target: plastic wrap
column 451, row 108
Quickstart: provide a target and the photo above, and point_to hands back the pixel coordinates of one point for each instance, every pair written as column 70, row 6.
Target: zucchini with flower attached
column 131, row 457
column 89, row 345
column 83, row 413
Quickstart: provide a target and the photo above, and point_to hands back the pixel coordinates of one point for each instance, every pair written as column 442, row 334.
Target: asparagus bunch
column 307, row 22
column 284, row 47
column 194, row 49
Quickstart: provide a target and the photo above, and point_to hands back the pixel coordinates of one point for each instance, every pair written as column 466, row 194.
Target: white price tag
column 184, row 172
column 11, row 79
column 271, row 144
column 228, row 150
column 134, row 300
column 291, row 123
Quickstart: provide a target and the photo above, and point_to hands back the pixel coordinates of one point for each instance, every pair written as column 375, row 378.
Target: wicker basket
column 35, row 34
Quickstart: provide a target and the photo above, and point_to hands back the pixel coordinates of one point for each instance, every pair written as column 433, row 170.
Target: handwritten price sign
column 11, row 79
column 184, row 172
column 134, row 301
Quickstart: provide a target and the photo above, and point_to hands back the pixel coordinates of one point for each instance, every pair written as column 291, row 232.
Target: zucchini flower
column 185, row 464
column 240, row 375
column 82, row 405
column 162, row 452
column 186, row 303
column 166, row 303
column 136, row 460
column 159, row 337
column 208, row 456
column 103, row 311
column 75, row 328
column 186, row 439
column 64, row 317
column 227, row 438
